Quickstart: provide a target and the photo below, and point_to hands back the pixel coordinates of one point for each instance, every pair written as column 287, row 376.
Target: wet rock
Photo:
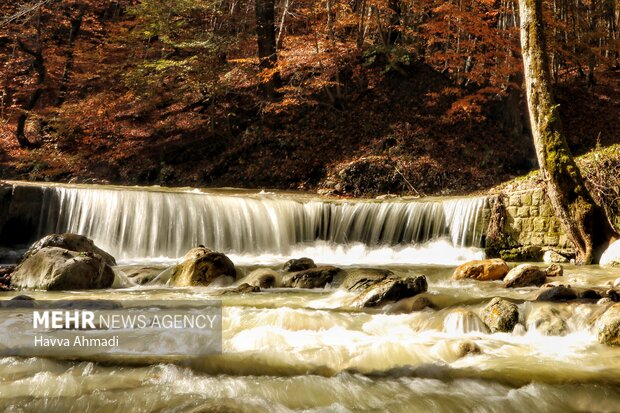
column 500, row 315
column 71, row 242
column 264, row 278
column 311, row 278
column 142, row 274
column 524, row 275
column 608, row 326
column 391, row 289
column 409, row 305
column 201, row 266
column 482, row 270
column 611, row 256
column 359, row 279
column 548, row 321
column 19, row 301
column 554, row 270
column 53, row 268
column 604, row 301
column 550, row 257
column 244, row 288
column 556, row 293
column 298, row 264
column 467, row 347
column 613, row 295
column 589, row 294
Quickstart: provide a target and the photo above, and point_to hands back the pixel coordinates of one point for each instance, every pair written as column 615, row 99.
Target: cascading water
column 147, row 223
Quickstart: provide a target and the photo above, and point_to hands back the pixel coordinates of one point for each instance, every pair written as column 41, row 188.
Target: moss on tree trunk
column 583, row 220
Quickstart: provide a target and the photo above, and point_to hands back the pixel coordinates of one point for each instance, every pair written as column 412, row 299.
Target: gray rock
column 359, row 279
column 554, row 270
column 524, row 275
column 264, row 278
column 71, row 242
column 142, row 274
column 608, row 326
column 391, row 289
column 311, row 278
column 500, row 315
column 550, row 257
column 201, row 266
column 298, row 264
column 53, row 268
column 556, row 293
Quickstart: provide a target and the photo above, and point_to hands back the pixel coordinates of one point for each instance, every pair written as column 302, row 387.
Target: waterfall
column 149, row 223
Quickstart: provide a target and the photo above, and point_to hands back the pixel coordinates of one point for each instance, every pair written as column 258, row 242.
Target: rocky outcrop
column 71, row 242
column 53, row 268
column 611, row 256
column 200, row 267
column 264, row 278
column 391, row 289
column 243, row 288
column 298, row 264
column 524, row 275
column 500, row 315
column 358, row 279
column 608, row 326
column 312, row 278
column 481, row 270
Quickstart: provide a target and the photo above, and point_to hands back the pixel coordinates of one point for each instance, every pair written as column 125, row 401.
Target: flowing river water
column 299, row 350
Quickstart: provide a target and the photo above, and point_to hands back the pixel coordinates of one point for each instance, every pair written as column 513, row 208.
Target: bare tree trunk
column 583, row 220
column 39, row 66
column 395, row 10
column 267, row 55
column 281, row 28
column 76, row 24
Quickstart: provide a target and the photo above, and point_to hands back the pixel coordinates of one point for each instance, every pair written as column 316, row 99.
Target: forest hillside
column 357, row 97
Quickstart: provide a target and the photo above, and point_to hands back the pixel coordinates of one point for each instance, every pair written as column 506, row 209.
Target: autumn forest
column 353, row 97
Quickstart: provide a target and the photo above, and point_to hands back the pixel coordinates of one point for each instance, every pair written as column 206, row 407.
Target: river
column 296, row 350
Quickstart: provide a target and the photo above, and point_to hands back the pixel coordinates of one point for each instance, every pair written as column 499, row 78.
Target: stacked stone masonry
column 530, row 220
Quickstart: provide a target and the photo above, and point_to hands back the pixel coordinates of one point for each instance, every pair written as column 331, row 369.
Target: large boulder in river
column 71, row 242
column 611, row 256
column 53, row 268
column 500, row 315
column 482, row 270
column 524, row 275
column 608, row 326
column 298, row 264
column 358, row 279
column 317, row 277
column 391, row 289
column 201, row 266
column 264, row 278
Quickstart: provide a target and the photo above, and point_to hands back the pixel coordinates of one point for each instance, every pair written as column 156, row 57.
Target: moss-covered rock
column 500, row 315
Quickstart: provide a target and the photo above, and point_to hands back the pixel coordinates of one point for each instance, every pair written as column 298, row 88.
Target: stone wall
column 530, row 227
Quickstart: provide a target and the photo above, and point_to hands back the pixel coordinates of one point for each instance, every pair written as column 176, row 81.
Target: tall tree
column 583, row 220
column 267, row 54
